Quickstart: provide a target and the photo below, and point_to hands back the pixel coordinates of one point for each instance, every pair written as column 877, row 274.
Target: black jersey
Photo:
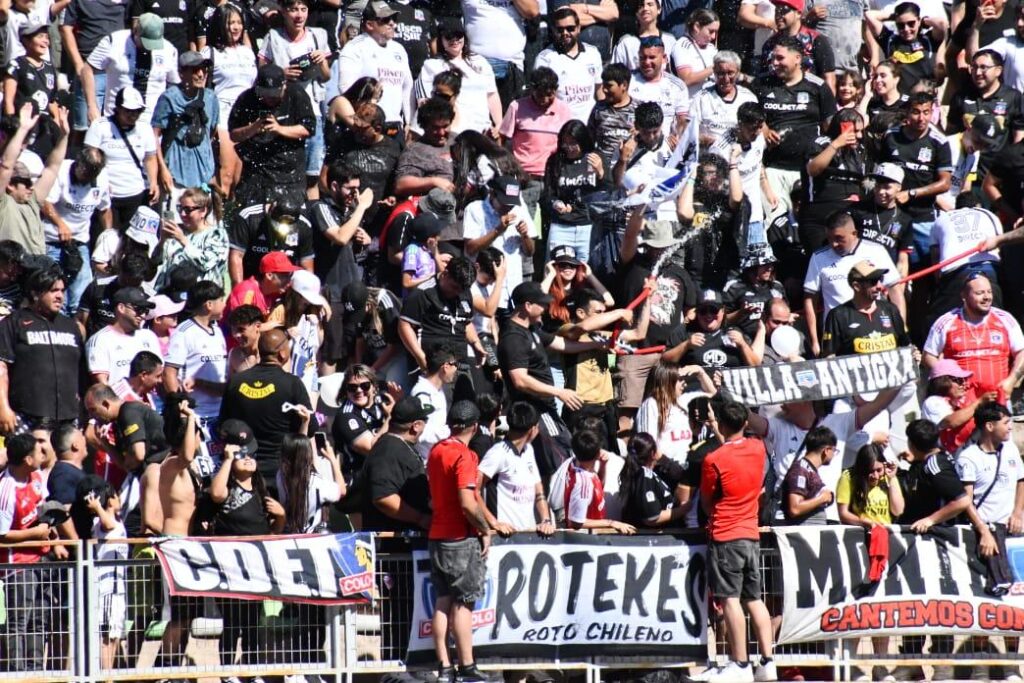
column 42, row 358
column 797, row 113
column 250, row 232
column 740, row 294
column 889, row 227
column 849, row 331
column 922, row 159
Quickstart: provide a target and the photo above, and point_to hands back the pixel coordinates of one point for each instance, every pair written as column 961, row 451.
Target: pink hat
column 162, row 305
column 948, row 368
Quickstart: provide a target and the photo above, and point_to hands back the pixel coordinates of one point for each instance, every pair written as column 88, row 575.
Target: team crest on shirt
column 50, row 81
column 419, row 15
column 885, row 320
column 353, row 424
column 924, row 154
column 803, row 97
column 995, row 337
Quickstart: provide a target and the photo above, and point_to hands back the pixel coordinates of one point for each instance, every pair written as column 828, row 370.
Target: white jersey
column 124, row 176
column 688, row 53
column 480, row 218
column 389, row 64
column 495, row 29
column 516, row 478
column 670, row 93
column 954, row 232
column 200, row 353
column 75, row 203
column 627, row 50
column 749, row 165
column 279, row 49
column 234, row 71
column 1011, row 48
column 437, row 422
column 117, row 56
column 674, row 439
column 827, row 272
column 715, row 114
column 994, row 476
column 477, row 84
column 111, row 351
column 577, row 77
column 764, row 10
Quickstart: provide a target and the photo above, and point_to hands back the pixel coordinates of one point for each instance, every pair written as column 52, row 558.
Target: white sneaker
column 295, row 678
column 733, row 673
column 1013, row 677
column 232, row 679
column 705, row 675
column 766, row 672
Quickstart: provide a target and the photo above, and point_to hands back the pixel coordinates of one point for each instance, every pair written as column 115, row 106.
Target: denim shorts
column 457, row 570
column 315, row 150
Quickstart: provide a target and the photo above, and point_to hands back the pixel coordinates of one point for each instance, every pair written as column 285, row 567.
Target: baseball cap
column 163, row 305
column 441, row 203
column 409, row 409
column 463, row 414
column 947, row 367
column 530, row 292
column 277, row 262
column 192, row 59
column 986, row 130
column 132, row 296
column 129, row 98
column 354, row 296
column 308, row 286
column 506, row 191
column 151, row 31
column 865, row 270
column 564, row 253
column 32, row 28
column 710, row 297
column 658, row 234
column 269, row 80
column 798, row 5
column 426, row 225
column 889, row 172
column 236, row 432
column 144, row 227
column 450, row 26
column 378, row 9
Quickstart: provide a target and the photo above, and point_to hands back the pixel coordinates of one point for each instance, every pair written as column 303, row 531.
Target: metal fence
column 104, row 615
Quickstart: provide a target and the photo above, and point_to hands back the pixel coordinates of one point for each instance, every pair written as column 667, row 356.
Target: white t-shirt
column 674, row 440
column 389, row 64
column 106, row 246
column 648, row 164
column 234, row 70
column 749, row 165
column 627, row 50
column 765, row 10
column 117, row 56
column 279, row 49
column 125, row 178
column 322, row 490
column 76, row 203
column 714, row 114
column 577, row 77
column 199, row 353
column 495, row 29
column 111, row 351
column 437, row 422
column 935, row 409
column 1012, row 50
column 956, row 231
column 977, row 467
column 963, row 166
column 827, row 272
column 516, row 477
column 784, row 441
column 669, row 92
column 688, row 53
column 480, row 218
column 477, row 83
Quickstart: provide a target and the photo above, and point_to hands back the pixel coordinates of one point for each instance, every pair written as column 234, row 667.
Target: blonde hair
column 205, row 199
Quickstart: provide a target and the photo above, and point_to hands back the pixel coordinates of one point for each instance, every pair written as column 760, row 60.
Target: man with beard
column 577, row 64
column 111, row 350
column 277, row 226
column 712, row 345
column 427, row 163
column 367, row 148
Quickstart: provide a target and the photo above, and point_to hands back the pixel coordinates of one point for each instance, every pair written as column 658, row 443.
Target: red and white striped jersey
column 18, row 511
column 986, row 348
column 584, row 495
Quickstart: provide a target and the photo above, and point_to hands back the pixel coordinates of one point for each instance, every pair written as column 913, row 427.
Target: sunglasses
column 708, row 310
column 870, row 282
column 454, row 36
column 567, row 266
column 187, row 209
column 566, row 29
column 358, row 386
column 906, row 24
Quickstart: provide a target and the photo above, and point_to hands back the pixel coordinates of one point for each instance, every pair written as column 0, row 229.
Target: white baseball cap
column 308, row 286
column 889, row 172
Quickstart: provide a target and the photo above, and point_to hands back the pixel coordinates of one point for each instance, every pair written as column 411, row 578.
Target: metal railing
column 105, row 616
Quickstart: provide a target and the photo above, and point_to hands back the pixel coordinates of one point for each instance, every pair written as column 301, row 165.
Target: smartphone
column 320, row 439
column 700, row 409
column 846, row 127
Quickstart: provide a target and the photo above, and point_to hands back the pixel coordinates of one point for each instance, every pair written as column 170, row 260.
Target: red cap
column 277, row 262
column 798, row 5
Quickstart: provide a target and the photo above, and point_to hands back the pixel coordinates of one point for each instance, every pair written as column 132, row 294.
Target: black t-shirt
column 98, row 301
column 358, row 323
column 414, row 29
column 376, row 164
column 739, row 294
column 889, row 227
column 570, row 182
column 849, row 331
column 876, row 106
column 63, row 482
column 841, row 180
column 173, row 13
column 674, row 291
column 42, row 359
column 335, row 263
column 393, row 467
column 717, row 352
column 138, row 423
column 991, row 30
column 396, row 239
column 34, row 83
column 915, row 57
column 273, row 157
column 522, row 347
column 712, row 256
column 1008, row 166
column 250, row 232
column 797, row 113
column 92, row 20
column 921, row 160
column 439, row 319
column 818, row 57
column 927, row 486
column 1004, row 104
column 241, row 514
column 255, row 396
column 350, row 423
column 647, row 496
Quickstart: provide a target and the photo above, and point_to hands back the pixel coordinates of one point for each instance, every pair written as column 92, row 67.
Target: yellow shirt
column 878, row 498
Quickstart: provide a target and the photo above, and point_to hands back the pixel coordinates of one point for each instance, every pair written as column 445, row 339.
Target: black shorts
column 457, row 570
column 734, row 570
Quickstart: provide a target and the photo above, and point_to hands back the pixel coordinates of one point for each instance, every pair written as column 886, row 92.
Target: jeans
column 315, row 149
column 756, row 234
column 79, row 107
column 576, row 236
column 922, row 243
column 28, row 611
column 82, row 280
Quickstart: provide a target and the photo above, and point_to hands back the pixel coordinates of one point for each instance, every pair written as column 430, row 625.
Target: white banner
column 934, row 583
column 580, row 595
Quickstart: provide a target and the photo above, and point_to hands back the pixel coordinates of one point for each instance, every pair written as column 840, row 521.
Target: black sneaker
column 446, row 674
column 471, row 674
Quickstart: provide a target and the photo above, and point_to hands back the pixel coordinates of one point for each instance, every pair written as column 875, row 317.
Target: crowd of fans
column 283, row 267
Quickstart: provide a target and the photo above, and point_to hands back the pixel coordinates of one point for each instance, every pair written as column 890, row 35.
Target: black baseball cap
column 710, row 297
column 564, row 253
column 132, row 296
column 530, row 292
column 237, row 433
column 269, row 80
column 463, row 414
column 506, row 190
column 426, row 225
column 409, row 410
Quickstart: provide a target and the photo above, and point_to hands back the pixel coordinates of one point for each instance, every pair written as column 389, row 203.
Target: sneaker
column 446, row 674
column 704, row 675
column 733, row 672
column 1012, row 676
column 766, row 671
column 295, row 678
column 471, row 674
column 257, row 679
column 232, row 679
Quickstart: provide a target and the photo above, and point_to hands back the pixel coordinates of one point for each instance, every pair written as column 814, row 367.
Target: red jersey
column 451, row 467
column 731, row 479
column 584, row 495
column 18, row 511
column 985, row 349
